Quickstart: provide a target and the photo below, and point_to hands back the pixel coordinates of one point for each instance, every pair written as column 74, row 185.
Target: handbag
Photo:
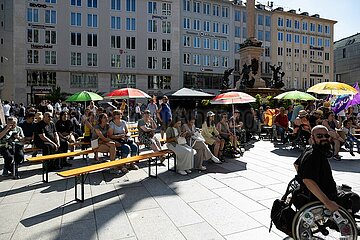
column 181, row 140
column 95, row 143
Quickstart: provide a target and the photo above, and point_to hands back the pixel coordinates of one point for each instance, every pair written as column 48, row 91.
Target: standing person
column 211, row 135
column 47, row 139
column 153, row 108
column 21, row 113
column 137, row 112
column 57, row 107
column 314, row 170
column 92, row 107
column 10, row 147
column 147, row 127
column 6, row 108
column 164, row 115
column 184, row 153
column 49, row 107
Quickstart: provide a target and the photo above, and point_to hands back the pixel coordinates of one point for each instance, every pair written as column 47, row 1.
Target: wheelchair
column 313, row 221
column 298, row 140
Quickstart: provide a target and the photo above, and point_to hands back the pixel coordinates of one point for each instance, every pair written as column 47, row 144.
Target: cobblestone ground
column 228, row 201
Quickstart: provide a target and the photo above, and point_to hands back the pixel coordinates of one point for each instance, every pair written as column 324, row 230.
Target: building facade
column 157, row 46
column 347, row 59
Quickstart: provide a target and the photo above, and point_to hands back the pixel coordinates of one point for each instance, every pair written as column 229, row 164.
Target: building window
column 115, row 22
column 237, row 16
column 344, row 53
column 50, row 57
column 225, row 12
column 327, row 29
column 225, row 45
column 130, row 43
column 33, row 35
column 320, row 42
column 32, row 15
column 115, row 61
column 216, row 44
column 288, row 23
column 186, row 5
column 186, row 23
column 297, row 38
column 166, row 27
column 39, row 78
column 206, row 43
column 260, row 19
column 116, row 5
column 130, row 61
column 304, row 68
column 50, row 16
column 244, row 17
column 196, row 6
column 92, row 40
column 225, row 28
column 75, row 19
column 225, row 62
column 187, row 41
column 312, row 54
column 304, row 40
column 75, row 39
column 280, row 22
column 216, row 10
column 196, row 59
column 297, row 24
column 280, row 51
column 288, row 52
column 206, row 8
column 197, row 24
column 312, row 27
column 152, row 44
column 327, row 69
column 130, row 24
column 206, row 61
column 92, row 20
column 312, row 41
column 215, row 27
column 76, row 3
column 267, row 21
column 115, row 41
column 280, row 36
column 327, row 56
column 267, row 36
column 320, row 56
column 92, row 3
column 152, row 7
column 152, row 26
column 304, row 53
column 260, row 35
column 32, row 56
column 244, row 33
column 206, row 26
column 92, row 60
column 152, row 62
column 296, row 52
column 186, row 58
column 288, row 37
column 320, row 28
column 75, row 59
column 165, row 63
column 122, row 81
column 130, row 5
column 166, row 45
column 327, row 42
column 166, row 9
column 50, row 37
column 215, row 61
column 237, row 31
column 305, row 26
column 84, row 80
column 50, row 1
column 159, row 82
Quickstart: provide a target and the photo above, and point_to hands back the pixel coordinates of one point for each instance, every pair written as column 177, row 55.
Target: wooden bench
column 44, row 160
column 80, row 173
column 31, row 149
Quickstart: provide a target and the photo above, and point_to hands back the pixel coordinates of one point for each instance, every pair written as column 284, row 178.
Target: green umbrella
column 295, row 95
column 84, row 96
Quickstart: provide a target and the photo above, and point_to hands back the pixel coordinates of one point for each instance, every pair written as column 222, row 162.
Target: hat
column 326, row 104
column 147, row 111
column 319, row 112
column 210, row 114
column 302, row 113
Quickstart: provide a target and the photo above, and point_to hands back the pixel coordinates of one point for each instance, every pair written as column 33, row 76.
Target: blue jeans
column 127, row 148
column 281, row 130
column 351, row 139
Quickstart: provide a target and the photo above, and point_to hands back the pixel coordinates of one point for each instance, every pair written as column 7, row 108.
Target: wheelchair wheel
column 314, row 221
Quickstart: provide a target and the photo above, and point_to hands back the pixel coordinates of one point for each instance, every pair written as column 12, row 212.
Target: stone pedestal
column 246, row 54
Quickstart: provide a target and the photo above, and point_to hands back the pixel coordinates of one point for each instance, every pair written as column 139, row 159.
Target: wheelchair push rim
column 314, row 221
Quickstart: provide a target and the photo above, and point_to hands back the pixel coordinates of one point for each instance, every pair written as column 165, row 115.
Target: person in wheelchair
column 315, row 175
column 302, row 128
column 226, row 133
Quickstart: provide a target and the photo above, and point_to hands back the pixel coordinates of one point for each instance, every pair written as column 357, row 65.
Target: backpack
column 282, row 216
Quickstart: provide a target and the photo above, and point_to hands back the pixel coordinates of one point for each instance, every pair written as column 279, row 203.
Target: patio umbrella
column 84, row 96
column 127, row 93
column 233, row 98
column 295, row 95
column 334, row 88
column 187, row 92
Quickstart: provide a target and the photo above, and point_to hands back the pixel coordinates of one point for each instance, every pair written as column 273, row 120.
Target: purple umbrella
column 356, row 98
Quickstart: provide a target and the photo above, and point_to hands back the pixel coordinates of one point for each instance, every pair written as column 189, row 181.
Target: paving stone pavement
column 228, row 201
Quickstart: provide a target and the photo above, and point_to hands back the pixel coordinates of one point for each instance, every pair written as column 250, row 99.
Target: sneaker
column 203, row 168
column 215, row 160
column 188, row 171
column 182, row 172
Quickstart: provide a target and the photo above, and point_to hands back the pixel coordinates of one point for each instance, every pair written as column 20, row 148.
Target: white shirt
column 6, row 108
column 57, row 107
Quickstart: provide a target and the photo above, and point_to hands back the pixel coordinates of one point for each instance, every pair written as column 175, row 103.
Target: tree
column 57, row 94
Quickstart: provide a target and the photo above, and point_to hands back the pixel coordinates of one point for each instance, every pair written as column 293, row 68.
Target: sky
column 345, row 12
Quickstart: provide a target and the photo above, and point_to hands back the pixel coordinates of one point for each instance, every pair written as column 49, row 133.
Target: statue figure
column 254, row 66
column 246, row 81
column 226, row 82
column 277, row 78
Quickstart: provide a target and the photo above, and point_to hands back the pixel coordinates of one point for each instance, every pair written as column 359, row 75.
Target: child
column 350, row 139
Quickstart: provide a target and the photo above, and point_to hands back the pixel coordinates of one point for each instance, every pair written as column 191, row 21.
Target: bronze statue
column 277, row 78
column 247, row 81
column 226, row 81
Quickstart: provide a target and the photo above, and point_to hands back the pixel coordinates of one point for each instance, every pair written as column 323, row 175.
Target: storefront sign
column 39, row 5
column 40, row 26
column 159, row 17
column 40, row 46
column 35, row 90
column 206, row 69
column 317, row 48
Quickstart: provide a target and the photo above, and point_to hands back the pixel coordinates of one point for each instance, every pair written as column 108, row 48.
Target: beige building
column 157, row 46
column 303, row 46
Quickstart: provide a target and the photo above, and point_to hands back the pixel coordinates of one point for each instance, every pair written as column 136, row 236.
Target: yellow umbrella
column 334, row 88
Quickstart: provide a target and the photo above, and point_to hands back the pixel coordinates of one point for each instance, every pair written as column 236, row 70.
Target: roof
column 347, row 41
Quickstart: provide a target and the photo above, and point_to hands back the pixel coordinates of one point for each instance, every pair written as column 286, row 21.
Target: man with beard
column 315, row 171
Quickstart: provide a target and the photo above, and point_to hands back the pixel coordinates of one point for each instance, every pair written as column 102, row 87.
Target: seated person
column 193, row 139
column 184, row 153
column 282, row 123
column 211, row 135
column 225, row 132
column 64, row 128
column 314, row 170
column 349, row 131
column 269, row 116
column 28, row 127
column 236, row 123
column 332, row 125
column 118, row 132
column 147, row 127
column 302, row 126
column 315, row 118
column 11, row 148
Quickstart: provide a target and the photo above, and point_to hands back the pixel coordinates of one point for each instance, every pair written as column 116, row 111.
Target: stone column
column 250, row 25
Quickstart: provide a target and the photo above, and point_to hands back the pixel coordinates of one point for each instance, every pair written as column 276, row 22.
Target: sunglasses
column 319, row 136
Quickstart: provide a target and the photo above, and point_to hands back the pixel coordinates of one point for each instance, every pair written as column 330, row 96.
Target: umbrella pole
column 128, row 109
